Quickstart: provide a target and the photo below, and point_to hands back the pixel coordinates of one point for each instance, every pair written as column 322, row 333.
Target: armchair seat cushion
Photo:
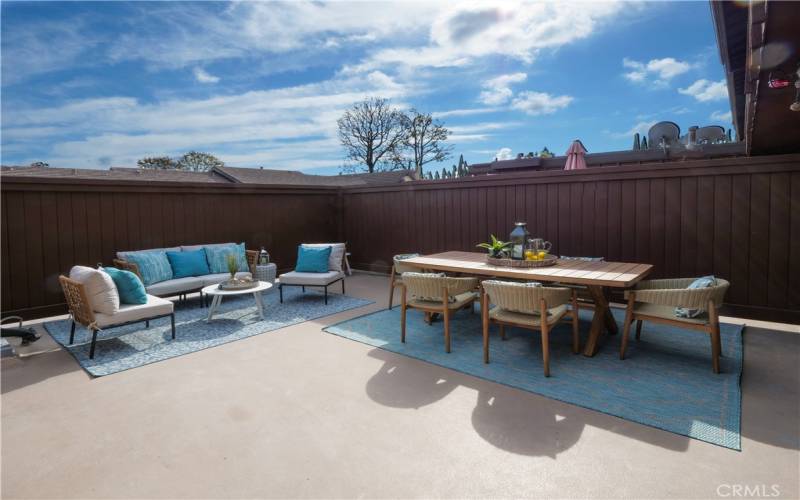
column 668, row 312
column 457, row 301
column 154, row 306
column 554, row 314
column 311, row 279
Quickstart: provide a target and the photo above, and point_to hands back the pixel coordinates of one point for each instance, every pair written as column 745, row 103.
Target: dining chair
column 528, row 305
column 435, row 293
column 656, row 301
column 398, row 268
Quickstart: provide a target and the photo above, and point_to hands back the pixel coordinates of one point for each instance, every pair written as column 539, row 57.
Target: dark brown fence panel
column 738, row 218
column 47, row 227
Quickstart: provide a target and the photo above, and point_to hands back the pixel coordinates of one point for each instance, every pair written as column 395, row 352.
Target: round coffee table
column 215, row 292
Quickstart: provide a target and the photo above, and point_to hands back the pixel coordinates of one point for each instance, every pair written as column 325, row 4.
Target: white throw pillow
column 337, row 254
column 100, row 289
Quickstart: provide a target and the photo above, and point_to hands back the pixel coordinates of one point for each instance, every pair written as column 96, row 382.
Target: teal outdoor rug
column 665, row 381
column 236, row 318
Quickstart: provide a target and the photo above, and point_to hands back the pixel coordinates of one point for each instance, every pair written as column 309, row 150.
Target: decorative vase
column 518, row 238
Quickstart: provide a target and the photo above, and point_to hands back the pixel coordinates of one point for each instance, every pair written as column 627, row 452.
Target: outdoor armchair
column 526, row 306
column 656, row 300
column 435, row 293
column 335, row 271
column 80, row 310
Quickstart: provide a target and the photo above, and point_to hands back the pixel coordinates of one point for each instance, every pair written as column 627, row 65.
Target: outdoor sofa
column 180, row 286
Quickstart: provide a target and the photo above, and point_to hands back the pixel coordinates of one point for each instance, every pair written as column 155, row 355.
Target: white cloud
column 722, row 116
column 462, row 32
column 280, row 128
column 504, row 154
column 463, row 112
column 498, row 89
column 662, row 69
column 203, row 76
column 540, row 103
column 705, row 90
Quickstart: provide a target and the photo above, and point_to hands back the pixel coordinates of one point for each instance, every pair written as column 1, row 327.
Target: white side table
column 217, row 295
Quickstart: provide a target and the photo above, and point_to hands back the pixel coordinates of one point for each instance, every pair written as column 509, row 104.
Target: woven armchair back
column 401, row 267
column 77, row 301
column 525, row 299
column 433, row 286
column 127, row 266
column 252, row 260
column 673, row 293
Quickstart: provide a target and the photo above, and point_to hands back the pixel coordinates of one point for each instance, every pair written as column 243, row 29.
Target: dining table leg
column 602, row 320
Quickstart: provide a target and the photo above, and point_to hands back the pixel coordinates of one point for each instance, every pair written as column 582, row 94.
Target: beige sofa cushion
column 155, row 306
column 336, row 257
column 175, row 286
column 100, row 289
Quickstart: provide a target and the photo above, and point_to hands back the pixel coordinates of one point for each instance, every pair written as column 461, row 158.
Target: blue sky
column 93, row 85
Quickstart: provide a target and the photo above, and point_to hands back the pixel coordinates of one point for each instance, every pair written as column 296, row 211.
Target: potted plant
column 497, row 249
column 233, row 265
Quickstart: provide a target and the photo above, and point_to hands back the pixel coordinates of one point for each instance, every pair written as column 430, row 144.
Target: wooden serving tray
column 549, row 260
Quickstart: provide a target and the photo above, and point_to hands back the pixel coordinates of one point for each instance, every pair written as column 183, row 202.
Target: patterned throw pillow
column 704, row 282
column 217, row 256
column 153, row 265
column 100, row 289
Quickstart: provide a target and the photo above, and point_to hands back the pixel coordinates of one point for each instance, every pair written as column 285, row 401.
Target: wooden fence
column 50, row 225
column 738, row 218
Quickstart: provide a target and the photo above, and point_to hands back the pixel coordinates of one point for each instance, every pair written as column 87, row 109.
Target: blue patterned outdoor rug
column 665, row 381
column 236, row 318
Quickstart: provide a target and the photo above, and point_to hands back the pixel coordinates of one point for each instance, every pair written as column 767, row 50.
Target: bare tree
column 198, row 162
column 371, row 133
column 424, row 138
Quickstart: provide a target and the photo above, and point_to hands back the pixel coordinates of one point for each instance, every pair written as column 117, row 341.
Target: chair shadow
column 31, row 369
column 511, row 419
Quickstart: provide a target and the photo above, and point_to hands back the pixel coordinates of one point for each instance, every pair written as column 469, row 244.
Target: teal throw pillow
column 312, row 259
column 190, row 263
column 129, row 287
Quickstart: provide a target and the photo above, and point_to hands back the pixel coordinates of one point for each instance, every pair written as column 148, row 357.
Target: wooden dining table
column 597, row 277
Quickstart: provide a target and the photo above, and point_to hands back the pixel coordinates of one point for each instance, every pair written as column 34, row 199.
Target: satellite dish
column 664, row 135
column 712, row 134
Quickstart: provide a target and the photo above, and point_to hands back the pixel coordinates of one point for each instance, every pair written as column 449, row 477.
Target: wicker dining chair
column 435, row 293
column 535, row 307
column 656, row 300
column 398, row 268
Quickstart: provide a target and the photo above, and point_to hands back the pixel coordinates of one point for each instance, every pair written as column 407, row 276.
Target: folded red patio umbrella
column 575, row 159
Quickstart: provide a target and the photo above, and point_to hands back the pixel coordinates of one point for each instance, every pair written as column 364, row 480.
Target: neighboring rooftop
column 610, row 158
column 125, row 174
column 293, row 177
column 217, row 175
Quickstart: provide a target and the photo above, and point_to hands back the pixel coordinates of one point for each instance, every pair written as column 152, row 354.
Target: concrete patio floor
column 301, row 413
